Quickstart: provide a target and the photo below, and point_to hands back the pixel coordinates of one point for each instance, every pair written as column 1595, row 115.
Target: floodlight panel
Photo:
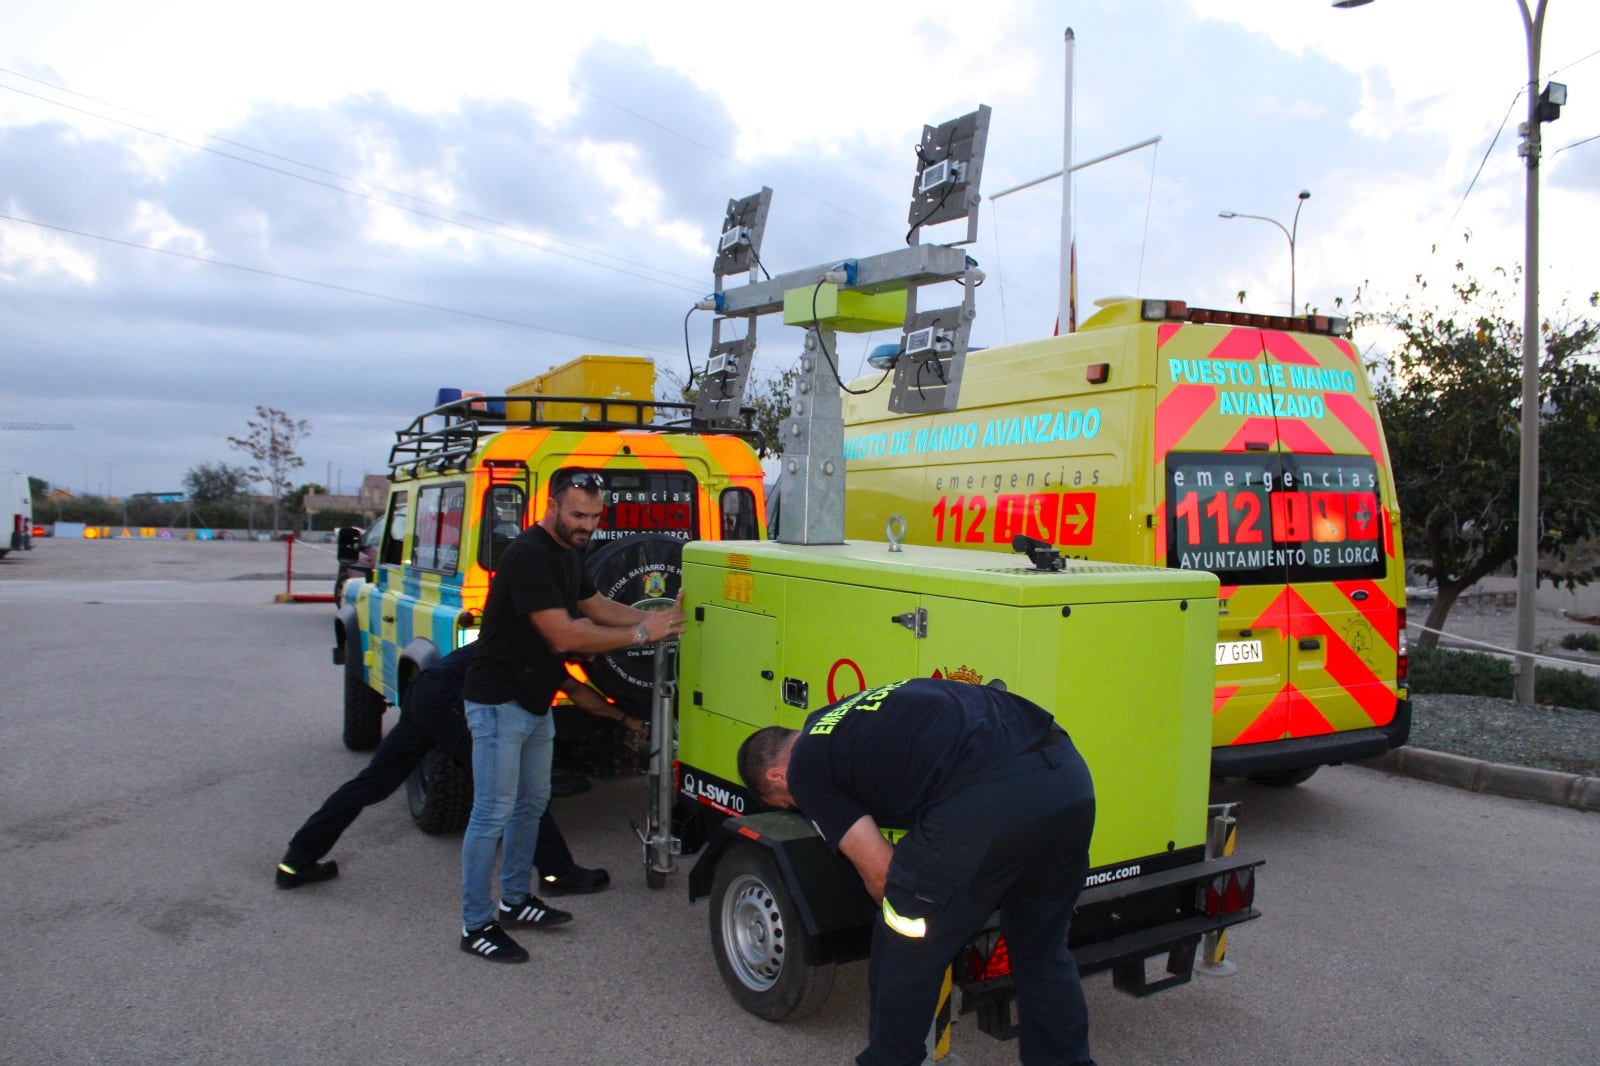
column 950, row 166
column 742, row 229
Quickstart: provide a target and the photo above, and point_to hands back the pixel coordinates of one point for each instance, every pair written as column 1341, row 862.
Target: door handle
column 1310, row 643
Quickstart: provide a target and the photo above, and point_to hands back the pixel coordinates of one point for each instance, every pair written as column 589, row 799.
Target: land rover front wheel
column 439, row 793
column 759, row 941
column 363, row 708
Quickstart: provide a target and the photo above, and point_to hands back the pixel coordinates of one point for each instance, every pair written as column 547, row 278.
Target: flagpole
column 1067, row 315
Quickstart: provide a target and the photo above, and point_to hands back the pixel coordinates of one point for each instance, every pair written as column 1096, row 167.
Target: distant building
column 370, row 502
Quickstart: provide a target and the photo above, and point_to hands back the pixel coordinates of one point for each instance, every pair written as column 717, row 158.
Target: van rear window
column 649, row 501
column 1263, row 518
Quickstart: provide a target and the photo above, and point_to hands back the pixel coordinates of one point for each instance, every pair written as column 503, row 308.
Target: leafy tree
column 767, row 398
column 38, row 488
column 271, row 444
column 1451, row 410
column 216, row 483
column 771, row 401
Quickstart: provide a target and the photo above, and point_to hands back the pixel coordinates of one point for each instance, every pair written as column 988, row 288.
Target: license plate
column 1230, row 652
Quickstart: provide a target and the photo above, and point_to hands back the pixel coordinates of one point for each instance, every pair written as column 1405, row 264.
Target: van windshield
column 1264, row 518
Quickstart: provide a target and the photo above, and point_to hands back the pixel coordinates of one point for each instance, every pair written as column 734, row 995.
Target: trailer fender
column 826, row 890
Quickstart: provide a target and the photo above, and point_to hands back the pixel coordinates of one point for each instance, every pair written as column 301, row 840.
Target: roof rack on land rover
column 447, row 437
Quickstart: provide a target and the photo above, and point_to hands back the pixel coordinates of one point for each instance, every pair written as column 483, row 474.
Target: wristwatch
column 641, row 636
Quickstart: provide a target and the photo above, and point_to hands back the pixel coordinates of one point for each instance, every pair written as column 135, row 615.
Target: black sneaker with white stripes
column 493, row 943
column 534, row 912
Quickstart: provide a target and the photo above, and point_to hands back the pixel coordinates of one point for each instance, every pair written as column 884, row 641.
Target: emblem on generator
column 961, row 673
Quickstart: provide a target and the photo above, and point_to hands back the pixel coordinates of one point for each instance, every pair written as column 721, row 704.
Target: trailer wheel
column 363, row 708
column 759, row 942
column 1286, row 778
column 439, row 793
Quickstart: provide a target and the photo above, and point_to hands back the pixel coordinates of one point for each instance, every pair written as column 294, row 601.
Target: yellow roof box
column 592, row 378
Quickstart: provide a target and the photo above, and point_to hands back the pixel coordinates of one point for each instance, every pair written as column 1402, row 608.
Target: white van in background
column 16, row 512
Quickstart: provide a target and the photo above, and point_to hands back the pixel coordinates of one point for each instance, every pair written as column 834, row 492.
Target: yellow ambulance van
column 1245, row 445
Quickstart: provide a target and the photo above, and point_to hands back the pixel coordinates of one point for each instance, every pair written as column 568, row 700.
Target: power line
column 407, row 196
column 1575, row 144
column 539, row 243
column 336, row 288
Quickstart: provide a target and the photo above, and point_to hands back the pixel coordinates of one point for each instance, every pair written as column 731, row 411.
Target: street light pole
column 1528, row 496
column 1541, row 108
column 1290, row 233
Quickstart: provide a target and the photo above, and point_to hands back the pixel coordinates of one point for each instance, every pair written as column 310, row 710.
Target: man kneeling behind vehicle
column 431, row 716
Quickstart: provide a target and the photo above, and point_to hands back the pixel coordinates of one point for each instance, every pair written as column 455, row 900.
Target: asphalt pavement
column 160, row 738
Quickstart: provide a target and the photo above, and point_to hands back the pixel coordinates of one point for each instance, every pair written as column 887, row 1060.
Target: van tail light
column 988, row 957
column 1402, row 647
column 1228, row 893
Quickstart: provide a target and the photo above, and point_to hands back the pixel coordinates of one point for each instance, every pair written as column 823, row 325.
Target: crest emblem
column 966, row 674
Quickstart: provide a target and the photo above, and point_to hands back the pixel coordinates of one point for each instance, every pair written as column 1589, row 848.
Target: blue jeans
column 511, row 751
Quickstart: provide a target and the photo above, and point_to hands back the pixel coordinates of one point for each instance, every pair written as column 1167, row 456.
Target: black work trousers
column 1016, row 841
column 430, row 717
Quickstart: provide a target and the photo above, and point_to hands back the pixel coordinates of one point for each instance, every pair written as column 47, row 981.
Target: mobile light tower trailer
column 1121, row 655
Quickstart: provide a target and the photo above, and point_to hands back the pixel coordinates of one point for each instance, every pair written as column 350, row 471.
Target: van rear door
column 1271, row 460
column 1346, row 585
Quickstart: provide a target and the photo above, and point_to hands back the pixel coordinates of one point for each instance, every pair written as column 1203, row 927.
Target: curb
column 1475, row 775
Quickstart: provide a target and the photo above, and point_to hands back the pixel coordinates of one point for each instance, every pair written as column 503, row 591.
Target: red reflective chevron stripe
column 1267, row 725
column 1359, row 420
column 1304, row 720
column 1238, row 344
column 1347, row 348
column 1358, row 682
column 1220, row 698
column 1286, row 349
column 1176, row 415
column 1377, row 607
column 1346, row 669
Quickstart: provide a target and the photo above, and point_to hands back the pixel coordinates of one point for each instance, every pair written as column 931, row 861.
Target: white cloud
column 594, row 155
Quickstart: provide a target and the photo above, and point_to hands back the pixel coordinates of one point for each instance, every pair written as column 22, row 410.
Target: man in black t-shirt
column 542, row 610
column 997, row 809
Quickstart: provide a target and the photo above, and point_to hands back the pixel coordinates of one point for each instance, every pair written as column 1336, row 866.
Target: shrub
column 1581, row 642
column 1465, row 673
column 1436, row 671
column 1568, row 688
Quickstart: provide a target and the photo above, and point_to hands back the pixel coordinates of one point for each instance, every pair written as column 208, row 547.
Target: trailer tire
column 363, row 708
column 1286, row 778
column 759, row 941
column 439, row 793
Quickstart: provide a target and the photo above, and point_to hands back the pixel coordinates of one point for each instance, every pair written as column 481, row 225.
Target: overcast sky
column 408, row 196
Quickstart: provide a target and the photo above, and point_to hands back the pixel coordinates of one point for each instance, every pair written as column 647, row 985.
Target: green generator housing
column 1123, row 656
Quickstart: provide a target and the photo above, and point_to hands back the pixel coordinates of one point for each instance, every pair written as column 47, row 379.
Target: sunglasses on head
column 584, row 479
